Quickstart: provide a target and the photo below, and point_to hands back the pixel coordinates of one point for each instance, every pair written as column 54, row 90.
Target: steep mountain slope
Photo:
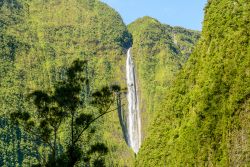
column 204, row 117
column 159, row 51
column 39, row 39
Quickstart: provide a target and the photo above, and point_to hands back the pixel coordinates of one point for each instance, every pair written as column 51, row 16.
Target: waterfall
column 134, row 119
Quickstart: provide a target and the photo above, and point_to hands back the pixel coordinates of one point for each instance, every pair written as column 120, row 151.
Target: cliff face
column 38, row 40
column 159, row 52
column 195, row 108
column 204, row 117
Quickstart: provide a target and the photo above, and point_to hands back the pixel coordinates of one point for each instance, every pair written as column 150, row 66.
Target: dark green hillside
column 159, row 51
column 12, row 15
column 204, row 117
column 38, row 40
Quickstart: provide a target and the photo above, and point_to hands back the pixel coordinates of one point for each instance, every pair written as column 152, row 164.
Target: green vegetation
column 39, row 40
column 159, row 51
column 195, row 98
column 69, row 103
column 203, row 119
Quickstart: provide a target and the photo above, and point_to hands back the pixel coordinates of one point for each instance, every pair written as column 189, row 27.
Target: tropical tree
column 62, row 107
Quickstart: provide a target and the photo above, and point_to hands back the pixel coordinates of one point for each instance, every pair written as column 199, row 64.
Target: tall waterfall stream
column 134, row 119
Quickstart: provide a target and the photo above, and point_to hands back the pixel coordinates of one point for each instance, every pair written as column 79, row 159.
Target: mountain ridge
column 204, row 117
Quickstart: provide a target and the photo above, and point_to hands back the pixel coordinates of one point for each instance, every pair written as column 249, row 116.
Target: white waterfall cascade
column 134, row 119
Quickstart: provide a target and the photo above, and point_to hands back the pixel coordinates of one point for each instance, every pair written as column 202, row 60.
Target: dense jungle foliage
column 159, row 51
column 194, row 88
column 39, row 40
column 203, row 119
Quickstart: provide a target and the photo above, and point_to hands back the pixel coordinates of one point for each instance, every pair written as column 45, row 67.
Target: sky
column 184, row 13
